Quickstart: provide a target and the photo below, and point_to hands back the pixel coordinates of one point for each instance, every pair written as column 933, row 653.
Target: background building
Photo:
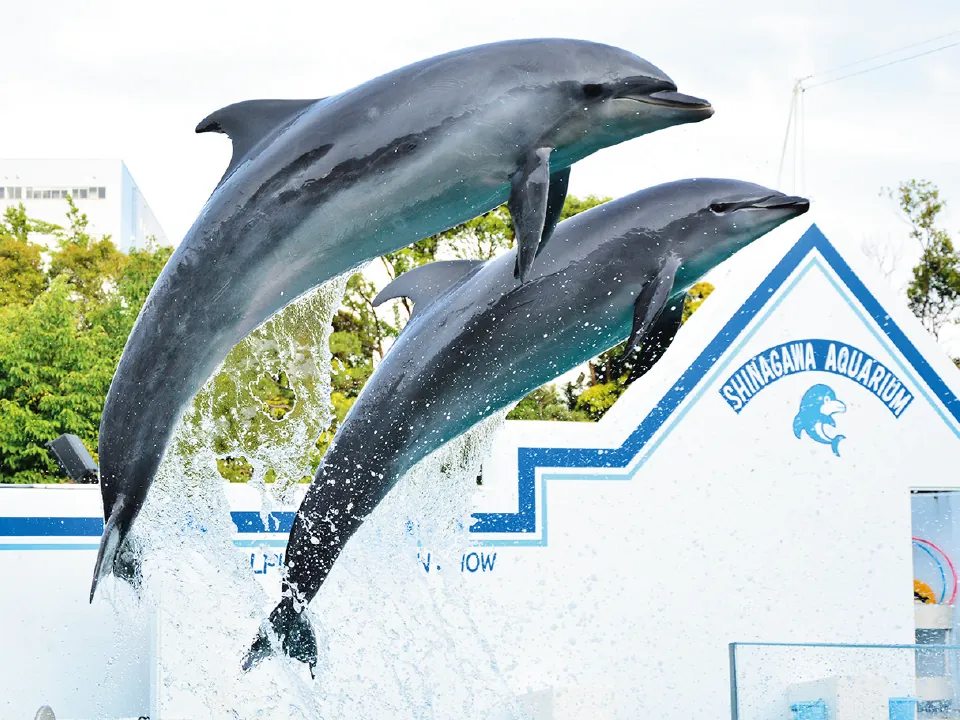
column 103, row 189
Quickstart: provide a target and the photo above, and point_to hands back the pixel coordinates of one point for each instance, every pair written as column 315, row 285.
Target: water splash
column 407, row 632
column 394, row 628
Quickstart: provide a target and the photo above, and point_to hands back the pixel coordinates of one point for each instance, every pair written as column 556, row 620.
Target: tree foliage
column 933, row 293
column 65, row 313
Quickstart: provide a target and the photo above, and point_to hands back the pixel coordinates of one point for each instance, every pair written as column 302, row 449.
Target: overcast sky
column 131, row 81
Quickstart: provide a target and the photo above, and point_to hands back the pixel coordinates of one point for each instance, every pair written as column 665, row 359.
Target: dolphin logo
column 316, row 188
column 817, row 407
column 479, row 341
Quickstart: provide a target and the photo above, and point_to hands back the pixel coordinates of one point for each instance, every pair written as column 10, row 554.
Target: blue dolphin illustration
column 817, row 407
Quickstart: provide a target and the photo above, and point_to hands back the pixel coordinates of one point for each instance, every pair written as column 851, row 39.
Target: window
column 55, row 194
column 17, row 192
column 1, row 193
column 92, row 192
column 29, row 193
column 83, row 193
column 75, row 193
column 46, row 194
column 101, row 193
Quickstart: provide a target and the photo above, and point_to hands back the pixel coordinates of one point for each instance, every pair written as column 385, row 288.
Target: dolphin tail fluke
column 835, row 444
column 293, row 631
column 109, row 544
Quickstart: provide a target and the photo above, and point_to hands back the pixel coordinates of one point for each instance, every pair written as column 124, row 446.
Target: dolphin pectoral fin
column 556, row 196
column 247, row 123
column 658, row 338
column 529, row 196
column 653, row 298
column 426, row 283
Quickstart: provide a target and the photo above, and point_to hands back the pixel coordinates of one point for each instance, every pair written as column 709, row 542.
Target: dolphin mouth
column 834, row 407
column 775, row 202
column 672, row 99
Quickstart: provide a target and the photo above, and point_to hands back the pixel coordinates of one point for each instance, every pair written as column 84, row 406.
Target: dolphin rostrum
column 479, row 340
column 317, row 187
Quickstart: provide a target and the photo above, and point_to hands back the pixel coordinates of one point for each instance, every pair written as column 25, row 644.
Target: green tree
column 22, row 277
column 547, row 403
column 53, row 379
column 933, row 293
column 695, row 297
column 89, row 264
column 15, row 223
column 61, row 334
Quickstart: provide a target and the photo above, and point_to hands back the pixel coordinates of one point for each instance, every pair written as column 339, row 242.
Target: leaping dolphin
column 478, row 341
column 317, row 187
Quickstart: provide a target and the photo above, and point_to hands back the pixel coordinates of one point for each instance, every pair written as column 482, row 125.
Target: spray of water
column 393, row 620
column 395, row 610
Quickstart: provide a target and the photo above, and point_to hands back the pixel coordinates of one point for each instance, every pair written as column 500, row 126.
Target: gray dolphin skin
column 316, row 188
column 480, row 340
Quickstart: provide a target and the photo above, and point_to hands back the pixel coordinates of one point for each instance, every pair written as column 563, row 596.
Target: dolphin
column 316, row 188
column 817, row 407
column 479, row 340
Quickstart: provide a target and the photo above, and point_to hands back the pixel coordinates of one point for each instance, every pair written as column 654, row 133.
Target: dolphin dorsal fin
column 247, row 123
column 426, row 283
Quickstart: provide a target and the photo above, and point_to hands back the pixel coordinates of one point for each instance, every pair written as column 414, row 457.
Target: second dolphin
column 478, row 341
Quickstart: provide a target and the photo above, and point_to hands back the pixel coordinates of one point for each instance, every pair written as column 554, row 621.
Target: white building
column 102, row 189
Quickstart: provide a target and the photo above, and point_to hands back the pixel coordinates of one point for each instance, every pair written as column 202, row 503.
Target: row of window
column 16, row 193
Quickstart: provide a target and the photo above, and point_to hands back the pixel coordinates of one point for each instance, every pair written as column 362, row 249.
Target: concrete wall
column 85, row 661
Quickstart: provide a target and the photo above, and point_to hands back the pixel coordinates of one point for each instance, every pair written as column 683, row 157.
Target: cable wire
column 830, row 71
column 883, row 65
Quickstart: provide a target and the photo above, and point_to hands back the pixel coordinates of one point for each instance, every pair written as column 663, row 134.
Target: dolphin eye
column 592, row 90
column 719, row 208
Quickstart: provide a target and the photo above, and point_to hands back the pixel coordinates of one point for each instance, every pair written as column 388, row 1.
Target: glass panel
column 833, row 682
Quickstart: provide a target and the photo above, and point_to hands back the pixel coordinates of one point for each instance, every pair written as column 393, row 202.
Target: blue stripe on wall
column 246, row 522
